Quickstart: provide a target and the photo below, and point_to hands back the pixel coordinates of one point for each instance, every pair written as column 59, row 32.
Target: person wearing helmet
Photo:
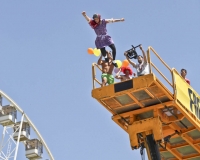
column 103, row 39
column 127, row 74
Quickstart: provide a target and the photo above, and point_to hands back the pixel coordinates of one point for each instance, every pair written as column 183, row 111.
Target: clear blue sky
column 45, row 67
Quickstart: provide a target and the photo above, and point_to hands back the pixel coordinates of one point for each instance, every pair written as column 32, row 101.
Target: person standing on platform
column 183, row 74
column 142, row 66
column 107, row 69
column 127, row 74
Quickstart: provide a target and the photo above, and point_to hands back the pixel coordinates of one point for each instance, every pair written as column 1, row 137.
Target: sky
column 46, row 69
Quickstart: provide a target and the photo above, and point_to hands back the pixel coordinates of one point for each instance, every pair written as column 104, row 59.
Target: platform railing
column 94, row 79
column 152, row 65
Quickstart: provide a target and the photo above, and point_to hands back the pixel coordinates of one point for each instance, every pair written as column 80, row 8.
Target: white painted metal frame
column 30, row 123
column 11, row 152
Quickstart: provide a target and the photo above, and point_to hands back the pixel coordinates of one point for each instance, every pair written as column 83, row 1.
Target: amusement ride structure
column 18, row 129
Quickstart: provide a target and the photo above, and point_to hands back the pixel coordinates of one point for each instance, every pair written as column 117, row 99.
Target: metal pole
column 18, row 138
column 93, row 76
column 0, row 102
column 3, row 135
column 153, row 147
column 149, row 60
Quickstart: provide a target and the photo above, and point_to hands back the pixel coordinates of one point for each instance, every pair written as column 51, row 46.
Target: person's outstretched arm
column 86, row 17
column 144, row 55
column 117, row 76
column 100, row 60
column 131, row 62
column 114, row 20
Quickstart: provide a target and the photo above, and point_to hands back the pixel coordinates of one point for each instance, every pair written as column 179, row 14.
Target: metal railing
column 151, row 65
column 94, row 79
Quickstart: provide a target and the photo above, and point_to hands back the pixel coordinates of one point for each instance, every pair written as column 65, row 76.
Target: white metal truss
column 8, row 145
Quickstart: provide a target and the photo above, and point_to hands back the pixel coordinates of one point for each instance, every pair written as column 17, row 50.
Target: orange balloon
column 125, row 63
column 90, row 51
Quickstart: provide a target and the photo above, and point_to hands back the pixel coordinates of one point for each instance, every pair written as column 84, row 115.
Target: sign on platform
column 187, row 95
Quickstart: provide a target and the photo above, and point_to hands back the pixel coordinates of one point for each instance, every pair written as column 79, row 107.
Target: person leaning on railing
column 142, row 66
column 183, row 74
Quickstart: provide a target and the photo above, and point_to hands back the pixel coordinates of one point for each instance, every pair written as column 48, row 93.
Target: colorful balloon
column 97, row 52
column 116, row 70
column 90, row 51
column 119, row 63
column 125, row 63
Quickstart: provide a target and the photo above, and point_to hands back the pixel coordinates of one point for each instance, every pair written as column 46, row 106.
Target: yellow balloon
column 119, row 63
column 97, row 52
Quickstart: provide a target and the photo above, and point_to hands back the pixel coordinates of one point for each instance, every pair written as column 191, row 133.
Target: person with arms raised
column 142, row 65
column 103, row 39
column 107, row 69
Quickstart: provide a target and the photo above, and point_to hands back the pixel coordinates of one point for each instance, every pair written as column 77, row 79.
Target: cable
column 176, row 117
column 142, row 151
column 168, row 109
column 166, row 139
column 119, row 115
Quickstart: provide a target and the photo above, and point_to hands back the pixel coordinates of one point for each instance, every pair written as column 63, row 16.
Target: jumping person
column 107, row 69
column 103, row 39
column 127, row 74
column 142, row 65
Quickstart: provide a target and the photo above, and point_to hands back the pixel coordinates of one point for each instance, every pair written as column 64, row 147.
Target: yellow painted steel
column 187, row 96
column 148, row 106
column 144, row 126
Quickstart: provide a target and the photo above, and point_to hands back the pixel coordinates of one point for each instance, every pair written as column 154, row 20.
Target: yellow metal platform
column 144, row 105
